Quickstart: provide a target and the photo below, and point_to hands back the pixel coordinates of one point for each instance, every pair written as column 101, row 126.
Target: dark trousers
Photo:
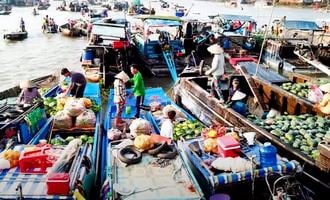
column 139, row 102
column 78, row 91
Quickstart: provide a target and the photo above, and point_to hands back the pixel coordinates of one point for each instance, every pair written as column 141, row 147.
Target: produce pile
column 69, row 112
column 188, row 129
column 303, row 132
column 9, row 159
column 301, row 89
column 61, row 141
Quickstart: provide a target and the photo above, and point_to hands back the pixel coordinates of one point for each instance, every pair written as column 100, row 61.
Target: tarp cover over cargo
column 301, row 25
column 234, row 17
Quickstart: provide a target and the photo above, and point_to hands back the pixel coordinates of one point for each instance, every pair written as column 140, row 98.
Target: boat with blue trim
column 45, row 170
column 151, row 177
column 158, row 50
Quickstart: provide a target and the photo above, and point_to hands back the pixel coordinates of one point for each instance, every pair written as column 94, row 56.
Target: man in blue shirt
column 77, row 85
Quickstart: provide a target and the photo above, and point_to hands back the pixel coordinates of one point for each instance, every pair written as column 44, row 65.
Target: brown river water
column 42, row 54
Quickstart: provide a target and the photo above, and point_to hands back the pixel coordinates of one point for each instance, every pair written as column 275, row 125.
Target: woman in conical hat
column 325, row 103
column 217, row 70
column 120, row 95
column 237, row 103
column 29, row 92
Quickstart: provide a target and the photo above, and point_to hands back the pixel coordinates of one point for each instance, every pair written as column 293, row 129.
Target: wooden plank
column 254, row 89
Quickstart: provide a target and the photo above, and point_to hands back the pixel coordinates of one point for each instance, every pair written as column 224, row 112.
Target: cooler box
column 228, row 146
column 58, row 184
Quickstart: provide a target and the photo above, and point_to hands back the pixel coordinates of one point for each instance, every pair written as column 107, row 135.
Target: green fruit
column 84, row 138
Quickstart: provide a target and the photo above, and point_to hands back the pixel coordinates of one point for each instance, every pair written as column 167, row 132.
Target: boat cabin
column 147, row 33
column 108, row 50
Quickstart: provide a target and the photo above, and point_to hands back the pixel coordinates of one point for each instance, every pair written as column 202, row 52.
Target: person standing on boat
column 22, row 25
column 120, row 95
column 217, row 70
column 179, row 33
column 167, row 127
column 324, row 105
column 138, row 88
column 29, row 93
column 77, row 85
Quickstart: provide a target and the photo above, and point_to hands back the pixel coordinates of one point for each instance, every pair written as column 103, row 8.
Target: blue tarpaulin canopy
column 300, row 25
column 161, row 22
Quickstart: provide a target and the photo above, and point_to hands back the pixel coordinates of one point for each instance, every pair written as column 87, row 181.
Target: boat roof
column 234, row 17
column 300, row 25
column 160, row 17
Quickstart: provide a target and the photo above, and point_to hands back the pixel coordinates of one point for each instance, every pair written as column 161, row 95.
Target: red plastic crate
column 36, row 161
column 58, row 184
column 228, row 146
column 120, row 44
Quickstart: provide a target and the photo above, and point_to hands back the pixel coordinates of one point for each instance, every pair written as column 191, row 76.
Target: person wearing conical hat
column 238, row 104
column 29, row 93
column 217, row 70
column 120, row 94
column 324, row 105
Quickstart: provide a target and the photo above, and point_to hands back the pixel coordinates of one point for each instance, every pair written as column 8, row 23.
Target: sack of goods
column 86, row 119
column 140, row 126
column 75, row 107
column 62, row 120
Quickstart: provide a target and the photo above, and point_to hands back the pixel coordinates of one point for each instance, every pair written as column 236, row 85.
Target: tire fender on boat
column 280, row 66
column 168, row 155
column 132, row 150
column 158, row 149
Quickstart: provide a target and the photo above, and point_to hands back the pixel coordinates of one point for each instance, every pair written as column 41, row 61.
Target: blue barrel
column 268, row 155
column 226, row 43
column 88, row 54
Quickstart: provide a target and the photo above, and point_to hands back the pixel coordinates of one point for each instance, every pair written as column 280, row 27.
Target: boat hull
column 16, row 36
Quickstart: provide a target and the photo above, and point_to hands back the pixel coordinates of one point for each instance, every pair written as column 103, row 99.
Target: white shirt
column 217, row 66
column 166, row 129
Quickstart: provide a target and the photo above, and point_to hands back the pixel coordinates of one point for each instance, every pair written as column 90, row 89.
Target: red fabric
column 234, row 61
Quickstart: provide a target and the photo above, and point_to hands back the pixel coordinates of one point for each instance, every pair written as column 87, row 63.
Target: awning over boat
column 263, row 72
column 161, row 22
column 301, row 25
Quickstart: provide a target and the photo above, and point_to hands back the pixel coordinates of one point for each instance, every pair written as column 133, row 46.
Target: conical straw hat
column 215, row 49
column 27, row 84
column 238, row 96
column 122, row 76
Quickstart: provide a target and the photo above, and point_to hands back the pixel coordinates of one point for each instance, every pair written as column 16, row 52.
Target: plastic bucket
column 220, row 197
column 88, row 54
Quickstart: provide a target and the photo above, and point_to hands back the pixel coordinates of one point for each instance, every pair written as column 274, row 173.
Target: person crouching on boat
column 29, row 93
column 234, row 87
column 22, row 25
column 167, row 127
column 120, row 95
column 217, row 70
column 324, row 105
column 77, row 85
column 238, row 104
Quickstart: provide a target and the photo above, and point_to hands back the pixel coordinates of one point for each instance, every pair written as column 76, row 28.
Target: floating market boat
column 193, row 94
column 145, row 180
column 15, row 35
column 231, row 178
column 159, row 57
column 279, row 51
column 64, row 29
column 62, row 169
column 5, row 12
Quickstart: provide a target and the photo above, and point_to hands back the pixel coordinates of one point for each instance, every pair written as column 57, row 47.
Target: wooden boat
column 16, row 35
column 192, row 94
column 47, row 81
column 215, row 181
column 64, row 29
column 82, row 171
column 115, row 174
column 279, row 51
column 43, row 7
column 159, row 59
column 5, row 12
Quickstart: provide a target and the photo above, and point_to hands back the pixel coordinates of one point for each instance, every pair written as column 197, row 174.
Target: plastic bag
column 86, row 119
column 62, row 120
column 114, row 134
column 140, row 126
column 315, row 94
column 75, row 107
